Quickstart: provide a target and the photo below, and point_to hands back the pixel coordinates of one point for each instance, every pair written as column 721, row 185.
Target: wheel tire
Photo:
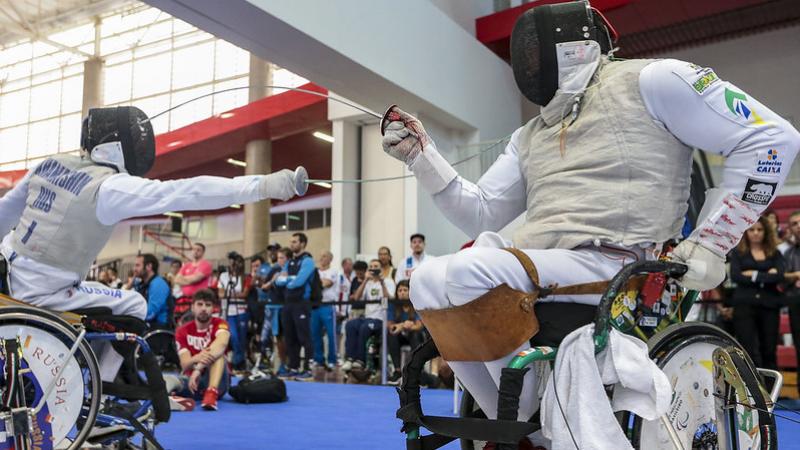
column 667, row 343
column 39, row 318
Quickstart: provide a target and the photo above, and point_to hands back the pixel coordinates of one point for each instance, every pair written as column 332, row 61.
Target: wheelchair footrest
column 499, row 431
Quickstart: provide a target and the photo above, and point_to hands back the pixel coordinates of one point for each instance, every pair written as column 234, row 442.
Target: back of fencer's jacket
column 618, row 178
column 59, row 225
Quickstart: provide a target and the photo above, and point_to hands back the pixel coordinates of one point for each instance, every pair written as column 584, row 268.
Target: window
column 315, row 218
column 278, row 222
column 296, row 220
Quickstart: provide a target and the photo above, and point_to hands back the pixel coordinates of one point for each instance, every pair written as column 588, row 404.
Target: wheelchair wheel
column 684, row 352
column 162, row 344
column 71, row 409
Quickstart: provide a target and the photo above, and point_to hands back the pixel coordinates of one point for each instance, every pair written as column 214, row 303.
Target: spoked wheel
column 701, row 414
column 70, row 411
column 162, row 344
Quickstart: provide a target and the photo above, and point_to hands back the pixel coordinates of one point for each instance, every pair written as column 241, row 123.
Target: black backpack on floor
column 260, row 388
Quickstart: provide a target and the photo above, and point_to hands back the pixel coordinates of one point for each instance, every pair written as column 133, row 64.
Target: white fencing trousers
column 38, row 285
column 457, row 279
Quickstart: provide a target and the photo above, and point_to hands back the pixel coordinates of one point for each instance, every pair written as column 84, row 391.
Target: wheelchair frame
column 19, row 417
column 734, row 378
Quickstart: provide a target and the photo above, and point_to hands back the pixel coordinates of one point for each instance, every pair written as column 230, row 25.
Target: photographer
column 233, row 292
column 358, row 330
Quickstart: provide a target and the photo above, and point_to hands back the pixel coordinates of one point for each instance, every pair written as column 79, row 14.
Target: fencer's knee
column 464, row 278
column 427, row 285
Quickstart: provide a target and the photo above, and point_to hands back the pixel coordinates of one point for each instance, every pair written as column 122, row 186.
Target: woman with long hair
column 757, row 268
column 405, row 328
column 387, row 268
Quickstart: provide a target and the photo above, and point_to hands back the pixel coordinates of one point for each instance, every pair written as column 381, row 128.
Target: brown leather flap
column 488, row 328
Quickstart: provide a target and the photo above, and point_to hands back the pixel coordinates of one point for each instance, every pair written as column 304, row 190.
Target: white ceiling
column 35, row 19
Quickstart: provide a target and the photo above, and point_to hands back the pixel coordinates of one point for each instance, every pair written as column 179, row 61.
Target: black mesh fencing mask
column 534, row 39
column 130, row 126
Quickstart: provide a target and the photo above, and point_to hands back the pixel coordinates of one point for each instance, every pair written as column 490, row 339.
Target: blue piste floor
column 327, row 416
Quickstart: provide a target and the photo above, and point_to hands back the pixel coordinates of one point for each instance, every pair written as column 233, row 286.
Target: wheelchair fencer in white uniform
column 62, row 213
column 602, row 176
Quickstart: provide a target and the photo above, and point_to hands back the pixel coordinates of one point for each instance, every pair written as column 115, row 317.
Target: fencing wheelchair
column 720, row 400
column 50, row 386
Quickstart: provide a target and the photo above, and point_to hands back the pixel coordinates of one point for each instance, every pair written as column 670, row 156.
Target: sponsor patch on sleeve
column 769, row 162
column 759, row 192
column 699, row 78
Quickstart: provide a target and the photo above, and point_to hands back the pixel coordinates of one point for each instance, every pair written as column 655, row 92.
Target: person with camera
column 233, row 293
column 359, row 330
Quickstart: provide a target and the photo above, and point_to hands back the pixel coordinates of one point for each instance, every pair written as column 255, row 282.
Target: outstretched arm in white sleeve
column 706, row 112
column 123, row 196
column 488, row 205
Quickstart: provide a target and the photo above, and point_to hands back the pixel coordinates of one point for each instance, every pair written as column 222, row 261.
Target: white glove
column 706, row 268
column 278, row 185
column 404, row 136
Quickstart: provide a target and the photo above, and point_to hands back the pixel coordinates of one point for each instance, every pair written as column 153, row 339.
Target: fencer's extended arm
column 706, row 112
column 488, row 205
column 123, row 196
column 12, row 204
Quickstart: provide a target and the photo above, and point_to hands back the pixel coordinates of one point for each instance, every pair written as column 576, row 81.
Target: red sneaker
column 210, row 399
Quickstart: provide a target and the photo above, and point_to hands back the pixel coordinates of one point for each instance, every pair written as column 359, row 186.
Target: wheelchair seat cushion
column 109, row 323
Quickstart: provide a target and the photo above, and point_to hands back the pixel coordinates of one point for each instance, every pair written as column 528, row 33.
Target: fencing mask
column 548, row 38
column 119, row 136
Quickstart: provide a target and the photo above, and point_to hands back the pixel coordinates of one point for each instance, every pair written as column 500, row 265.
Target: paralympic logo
column 737, row 104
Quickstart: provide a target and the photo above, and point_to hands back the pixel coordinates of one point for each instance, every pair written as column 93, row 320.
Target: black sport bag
column 260, row 388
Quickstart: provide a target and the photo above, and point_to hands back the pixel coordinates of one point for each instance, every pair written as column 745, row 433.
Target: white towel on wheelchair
column 639, row 386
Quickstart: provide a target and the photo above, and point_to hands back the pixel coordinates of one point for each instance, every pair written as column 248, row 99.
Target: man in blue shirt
column 153, row 288
column 296, row 313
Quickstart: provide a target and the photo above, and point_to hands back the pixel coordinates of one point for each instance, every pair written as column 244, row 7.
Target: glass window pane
column 231, row 99
column 115, row 44
column 19, row 70
column 14, row 142
column 149, row 75
column 315, row 218
column 16, row 85
column 153, row 49
column 230, row 60
column 283, row 77
column 70, row 128
column 14, row 108
column 42, row 78
column 277, row 222
column 296, row 220
column 117, row 83
column 48, row 62
column 180, row 26
column 152, row 106
column 40, row 49
column 45, row 100
column 156, row 32
column 43, row 138
column 192, row 112
column 72, row 94
column 75, row 36
column 118, row 58
column 193, row 65
column 12, row 166
column 16, row 54
column 73, row 69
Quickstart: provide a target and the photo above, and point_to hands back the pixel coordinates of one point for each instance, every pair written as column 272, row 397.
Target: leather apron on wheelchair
column 499, row 321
